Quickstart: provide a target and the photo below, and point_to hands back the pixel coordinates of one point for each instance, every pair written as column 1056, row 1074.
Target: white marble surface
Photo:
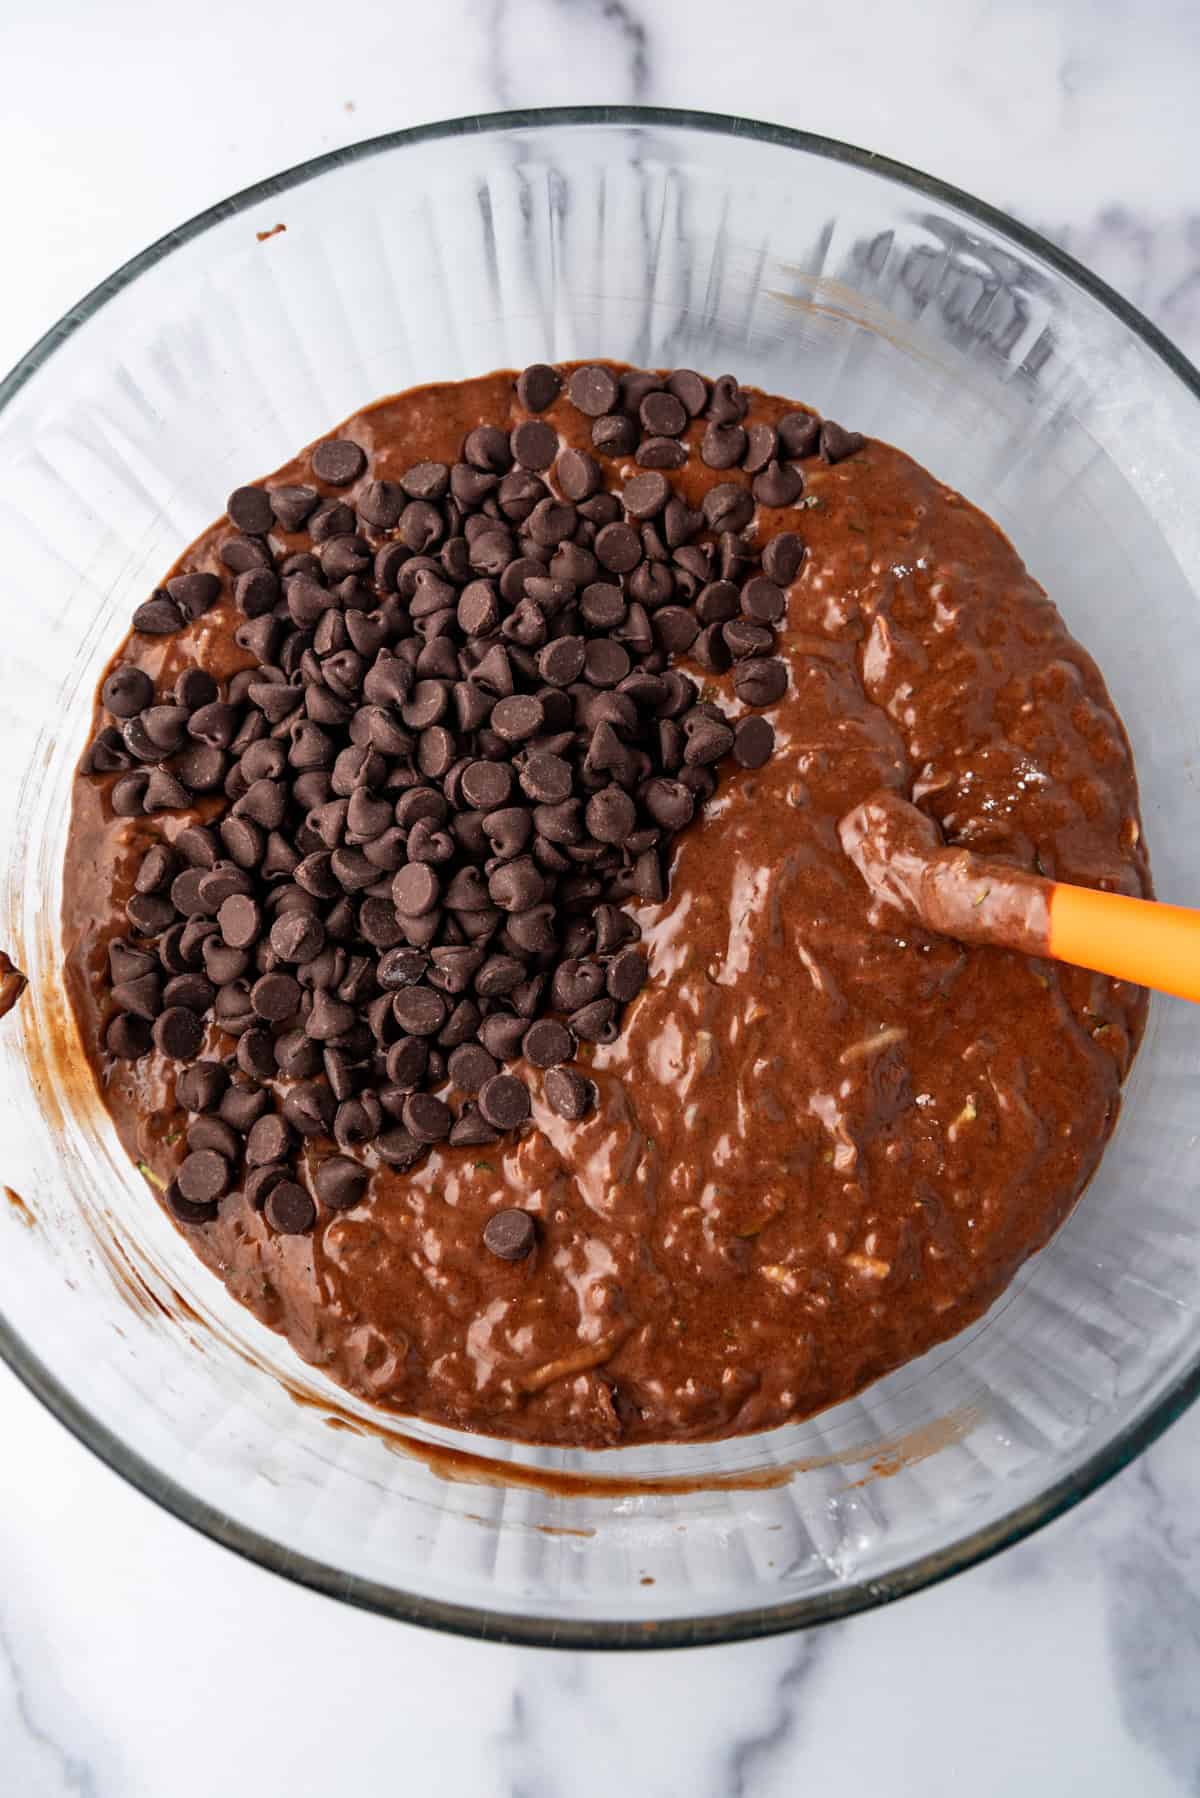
column 138, row 1660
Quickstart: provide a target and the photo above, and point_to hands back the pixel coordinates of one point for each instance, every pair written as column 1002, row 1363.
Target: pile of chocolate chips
column 462, row 745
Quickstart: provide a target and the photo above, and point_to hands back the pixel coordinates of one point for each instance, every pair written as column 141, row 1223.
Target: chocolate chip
column 501, row 1035
column 579, row 475
column 648, row 882
column 546, row 778
column 611, row 815
column 470, row 1067
column 727, row 403
column 663, row 415
column 260, row 1181
column 745, row 638
column 164, row 793
column 341, row 1183
column 762, row 445
column 240, row 921
column 184, row 1210
column 399, row 1150
column 668, row 802
column 547, row 1043
column 148, row 914
column 107, row 753
column 690, row 389
column 241, row 553
column 780, row 484
column 216, row 725
column 127, row 1037
column 249, row 508
column 190, row 990
column 419, row 1010
column 201, row 1086
column 504, row 1101
column 517, row 719
column 727, row 507
column 328, row 1018
column 538, row 386
column 645, row 495
column 510, row 1235
column 292, row 505
column 203, row 1177
column 338, row 462
column 568, row 1093
column 309, row 1108
column 575, row 982
column 128, row 795
column 297, row 936
column 197, row 593
column 242, row 1106
column 711, row 652
column 615, row 435
column 593, row 1023
column 275, row 997
column 661, row 452
column 296, row 1056
column 178, row 1033
column 194, row 690
column 763, row 601
column 782, row 557
column 534, row 445
column 407, row 1062
column 401, row 967
column 605, row 662
column 223, row 965
column 593, row 390
column 256, row 1053
column 799, row 434
column 158, row 617
column 380, row 504
column 722, row 445
column 837, row 444
column 626, row 975
column 415, row 890
column 158, row 866
column 470, row 1131
column 426, row 1118
column 289, row 1209
column 127, row 691
column 426, row 481
column 268, row 1138
column 760, row 681
column 753, row 742
column 516, row 885
column 357, row 1121
column 676, row 629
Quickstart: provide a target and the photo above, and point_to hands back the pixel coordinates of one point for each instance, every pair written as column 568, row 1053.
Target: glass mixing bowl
column 813, row 270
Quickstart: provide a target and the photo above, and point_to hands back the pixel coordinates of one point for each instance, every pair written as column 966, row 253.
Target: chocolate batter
column 825, row 1138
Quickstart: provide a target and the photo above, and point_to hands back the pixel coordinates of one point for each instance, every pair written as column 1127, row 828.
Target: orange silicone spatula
column 1131, row 939
column 900, row 854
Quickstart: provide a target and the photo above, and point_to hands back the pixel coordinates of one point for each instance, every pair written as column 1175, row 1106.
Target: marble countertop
column 138, row 1659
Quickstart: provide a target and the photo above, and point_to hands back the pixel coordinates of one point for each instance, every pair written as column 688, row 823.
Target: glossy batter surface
column 825, row 1139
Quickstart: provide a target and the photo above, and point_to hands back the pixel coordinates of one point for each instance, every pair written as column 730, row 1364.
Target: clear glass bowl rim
column 479, row 1622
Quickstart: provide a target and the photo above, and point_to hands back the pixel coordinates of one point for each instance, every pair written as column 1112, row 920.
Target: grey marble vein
column 34, row 1753
column 610, row 24
column 1153, row 261
column 756, row 1754
column 516, row 1748
column 1152, row 1579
